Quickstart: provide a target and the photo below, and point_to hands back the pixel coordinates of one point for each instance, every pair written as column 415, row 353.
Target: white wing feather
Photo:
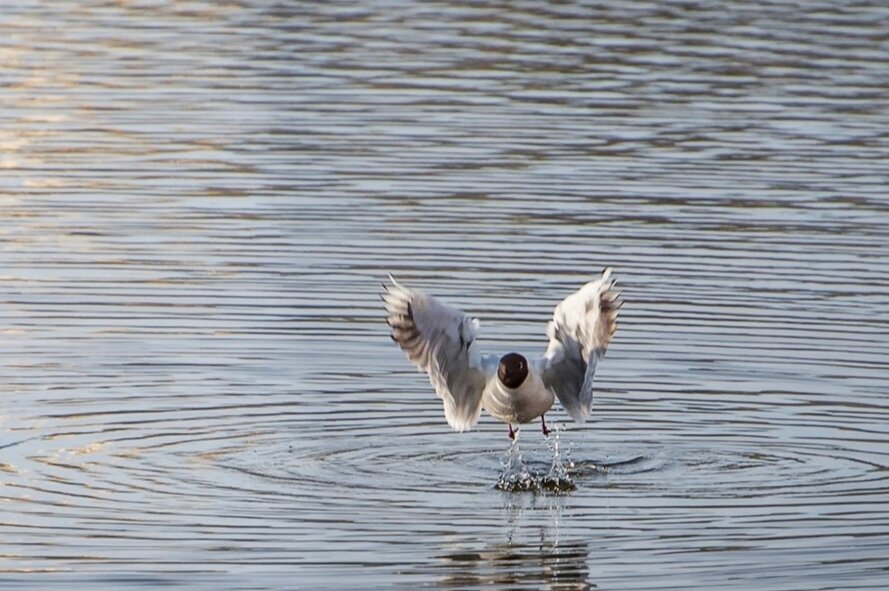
column 580, row 331
column 440, row 340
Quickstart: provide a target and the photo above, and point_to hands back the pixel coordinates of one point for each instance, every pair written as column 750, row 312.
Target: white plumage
column 441, row 341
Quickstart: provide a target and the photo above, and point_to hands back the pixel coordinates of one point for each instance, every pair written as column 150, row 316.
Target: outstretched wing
column 439, row 340
column 579, row 334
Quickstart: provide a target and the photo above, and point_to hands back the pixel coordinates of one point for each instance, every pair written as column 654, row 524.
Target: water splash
column 516, row 476
column 558, row 478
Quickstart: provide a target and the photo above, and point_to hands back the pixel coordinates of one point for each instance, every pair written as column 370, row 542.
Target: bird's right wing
column 440, row 340
column 580, row 331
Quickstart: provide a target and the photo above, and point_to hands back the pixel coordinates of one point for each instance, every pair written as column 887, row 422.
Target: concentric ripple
column 379, row 465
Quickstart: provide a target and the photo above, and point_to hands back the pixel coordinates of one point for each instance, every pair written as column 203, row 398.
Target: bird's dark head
column 513, row 370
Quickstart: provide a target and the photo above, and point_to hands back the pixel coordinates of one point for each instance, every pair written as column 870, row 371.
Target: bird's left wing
column 440, row 340
column 580, row 332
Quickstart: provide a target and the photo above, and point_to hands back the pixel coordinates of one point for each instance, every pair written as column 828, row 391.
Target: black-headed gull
column 441, row 341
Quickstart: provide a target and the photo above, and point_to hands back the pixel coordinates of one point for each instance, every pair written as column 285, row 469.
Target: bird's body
column 441, row 341
column 521, row 404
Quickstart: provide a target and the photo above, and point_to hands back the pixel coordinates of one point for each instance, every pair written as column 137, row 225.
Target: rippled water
column 199, row 199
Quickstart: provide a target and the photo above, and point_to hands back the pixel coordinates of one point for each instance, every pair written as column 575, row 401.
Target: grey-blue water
column 198, row 201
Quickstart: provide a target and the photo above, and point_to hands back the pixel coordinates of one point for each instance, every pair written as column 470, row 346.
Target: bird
column 513, row 388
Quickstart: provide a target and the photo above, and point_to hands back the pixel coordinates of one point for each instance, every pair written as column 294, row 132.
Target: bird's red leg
column 511, row 432
column 543, row 423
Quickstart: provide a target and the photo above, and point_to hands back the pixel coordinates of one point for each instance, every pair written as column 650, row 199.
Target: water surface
column 198, row 202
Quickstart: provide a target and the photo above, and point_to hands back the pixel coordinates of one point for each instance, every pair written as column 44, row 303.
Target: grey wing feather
column 580, row 332
column 439, row 340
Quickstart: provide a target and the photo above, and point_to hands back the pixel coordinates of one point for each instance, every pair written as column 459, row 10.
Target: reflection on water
column 542, row 562
column 198, row 202
column 542, row 566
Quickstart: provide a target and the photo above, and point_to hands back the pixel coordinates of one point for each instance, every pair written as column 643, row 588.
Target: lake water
column 198, row 201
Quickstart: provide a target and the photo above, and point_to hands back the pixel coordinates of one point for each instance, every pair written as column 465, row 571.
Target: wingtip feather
column 394, row 281
column 579, row 414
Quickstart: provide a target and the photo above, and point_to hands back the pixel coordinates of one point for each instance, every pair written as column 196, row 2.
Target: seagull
column 441, row 341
